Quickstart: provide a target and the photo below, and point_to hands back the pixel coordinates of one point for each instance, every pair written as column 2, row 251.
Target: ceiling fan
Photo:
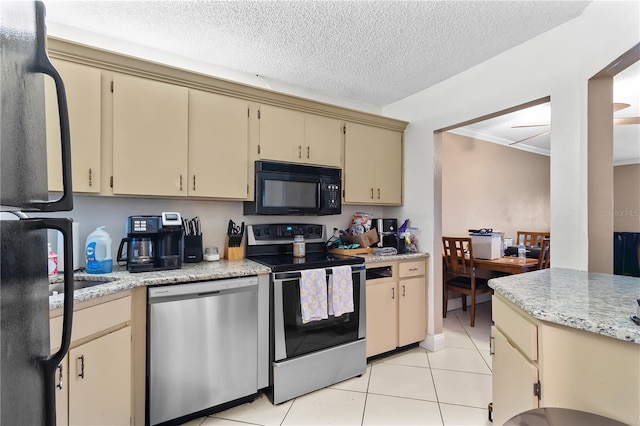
column 617, row 106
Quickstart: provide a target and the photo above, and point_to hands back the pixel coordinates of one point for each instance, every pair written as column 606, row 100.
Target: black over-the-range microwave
column 295, row 189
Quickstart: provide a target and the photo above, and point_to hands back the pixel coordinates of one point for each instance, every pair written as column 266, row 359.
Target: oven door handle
column 298, row 275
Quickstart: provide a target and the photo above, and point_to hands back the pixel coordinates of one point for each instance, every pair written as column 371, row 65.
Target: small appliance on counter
column 388, row 231
column 154, row 243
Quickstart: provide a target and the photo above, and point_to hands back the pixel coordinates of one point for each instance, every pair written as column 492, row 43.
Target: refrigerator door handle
column 44, row 65
column 51, row 362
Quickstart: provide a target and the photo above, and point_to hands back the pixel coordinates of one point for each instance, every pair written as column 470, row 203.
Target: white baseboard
column 433, row 342
column 457, row 302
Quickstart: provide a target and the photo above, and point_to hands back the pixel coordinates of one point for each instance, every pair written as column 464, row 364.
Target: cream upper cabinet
column 218, row 146
column 372, row 165
column 150, row 137
column 294, row 136
column 82, row 87
column 323, row 141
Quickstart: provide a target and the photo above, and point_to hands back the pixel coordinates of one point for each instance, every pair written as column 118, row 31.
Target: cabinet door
column 100, row 380
column 82, row 86
column 388, row 181
column 513, row 379
column 323, row 141
column 412, row 326
column 218, row 146
column 281, row 134
column 62, row 392
column 381, row 317
column 359, row 164
column 150, row 131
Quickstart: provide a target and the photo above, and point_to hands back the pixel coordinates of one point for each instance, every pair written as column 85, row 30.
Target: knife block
column 192, row 248
column 233, row 253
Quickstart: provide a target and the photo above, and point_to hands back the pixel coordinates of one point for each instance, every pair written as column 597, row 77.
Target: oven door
column 293, row 338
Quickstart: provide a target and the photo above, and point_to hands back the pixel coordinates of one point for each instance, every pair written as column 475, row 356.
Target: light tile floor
column 414, row 387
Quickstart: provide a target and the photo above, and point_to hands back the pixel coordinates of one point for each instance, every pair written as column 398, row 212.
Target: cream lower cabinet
column 396, row 306
column 82, row 87
column 298, row 137
column 541, row 364
column 218, row 146
column 94, row 380
column 150, row 137
column 372, row 165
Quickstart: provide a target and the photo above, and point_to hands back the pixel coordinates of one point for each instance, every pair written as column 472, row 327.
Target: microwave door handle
column 319, row 196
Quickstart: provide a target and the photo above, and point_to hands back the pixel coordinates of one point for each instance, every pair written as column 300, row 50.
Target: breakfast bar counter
column 564, row 338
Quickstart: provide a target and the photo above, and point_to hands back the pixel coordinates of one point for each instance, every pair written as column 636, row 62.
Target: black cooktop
column 284, row 262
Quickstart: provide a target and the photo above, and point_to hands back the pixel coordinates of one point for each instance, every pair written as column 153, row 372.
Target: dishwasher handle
column 200, row 289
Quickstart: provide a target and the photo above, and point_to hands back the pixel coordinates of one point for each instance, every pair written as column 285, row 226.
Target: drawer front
column 516, row 327
column 89, row 321
column 412, row 269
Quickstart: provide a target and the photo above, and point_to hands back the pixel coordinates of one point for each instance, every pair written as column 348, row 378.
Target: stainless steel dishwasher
column 202, row 346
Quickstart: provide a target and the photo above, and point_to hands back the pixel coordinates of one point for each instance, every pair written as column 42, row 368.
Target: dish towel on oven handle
column 313, row 295
column 340, row 291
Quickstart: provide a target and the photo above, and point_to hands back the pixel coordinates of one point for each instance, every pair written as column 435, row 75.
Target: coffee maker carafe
column 153, row 243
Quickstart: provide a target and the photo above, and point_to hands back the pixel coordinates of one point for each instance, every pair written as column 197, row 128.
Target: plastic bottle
column 298, row 246
column 52, row 262
column 522, row 254
column 98, row 252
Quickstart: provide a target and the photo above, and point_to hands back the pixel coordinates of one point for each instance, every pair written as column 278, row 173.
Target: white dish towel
column 313, row 295
column 340, row 291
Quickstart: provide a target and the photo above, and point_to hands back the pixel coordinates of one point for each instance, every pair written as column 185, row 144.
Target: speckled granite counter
column 598, row 303
column 121, row 280
column 371, row 258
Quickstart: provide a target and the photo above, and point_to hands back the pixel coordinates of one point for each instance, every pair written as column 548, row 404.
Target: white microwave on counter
column 295, row 190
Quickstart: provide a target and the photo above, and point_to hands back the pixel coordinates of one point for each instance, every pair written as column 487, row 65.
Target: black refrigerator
column 626, row 253
column 27, row 368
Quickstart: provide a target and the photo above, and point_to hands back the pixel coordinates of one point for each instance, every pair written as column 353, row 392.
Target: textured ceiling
column 375, row 52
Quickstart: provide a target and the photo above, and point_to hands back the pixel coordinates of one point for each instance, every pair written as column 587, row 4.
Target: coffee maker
column 154, row 243
column 388, row 232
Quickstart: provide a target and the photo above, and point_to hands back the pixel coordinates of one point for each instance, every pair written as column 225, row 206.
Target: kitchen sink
column 78, row 284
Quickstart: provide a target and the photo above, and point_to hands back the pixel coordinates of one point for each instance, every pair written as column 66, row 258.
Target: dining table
column 510, row 265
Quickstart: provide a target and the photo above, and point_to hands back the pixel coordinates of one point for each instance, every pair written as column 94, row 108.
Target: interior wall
column 112, row 212
column 626, row 198
column 557, row 64
column 486, row 185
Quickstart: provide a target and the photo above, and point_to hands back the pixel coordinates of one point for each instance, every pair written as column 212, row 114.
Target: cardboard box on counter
column 367, row 239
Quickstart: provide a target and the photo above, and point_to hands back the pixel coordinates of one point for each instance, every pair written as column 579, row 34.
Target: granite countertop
column 597, row 303
column 121, row 280
column 371, row 258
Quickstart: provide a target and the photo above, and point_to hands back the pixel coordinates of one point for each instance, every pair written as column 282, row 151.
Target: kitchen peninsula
column 564, row 338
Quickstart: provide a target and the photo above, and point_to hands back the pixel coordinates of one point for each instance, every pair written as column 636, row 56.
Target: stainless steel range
column 307, row 356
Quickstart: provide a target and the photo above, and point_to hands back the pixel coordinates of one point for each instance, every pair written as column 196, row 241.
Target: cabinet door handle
column 299, row 151
column 81, row 359
column 378, row 193
column 404, row 291
column 308, row 152
column 372, row 193
column 393, row 293
column 180, row 182
column 59, row 385
column 90, row 177
column 194, row 182
column 491, row 343
column 413, row 269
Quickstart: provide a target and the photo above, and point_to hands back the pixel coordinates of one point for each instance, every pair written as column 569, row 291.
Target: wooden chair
column 531, row 239
column 544, row 261
column 460, row 275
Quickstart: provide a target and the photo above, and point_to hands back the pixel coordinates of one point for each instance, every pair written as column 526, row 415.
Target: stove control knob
column 267, row 232
column 256, row 232
column 319, row 230
column 310, row 230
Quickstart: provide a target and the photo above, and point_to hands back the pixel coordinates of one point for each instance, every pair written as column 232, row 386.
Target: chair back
column 457, row 263
column 544, row 261
column 531, row 239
